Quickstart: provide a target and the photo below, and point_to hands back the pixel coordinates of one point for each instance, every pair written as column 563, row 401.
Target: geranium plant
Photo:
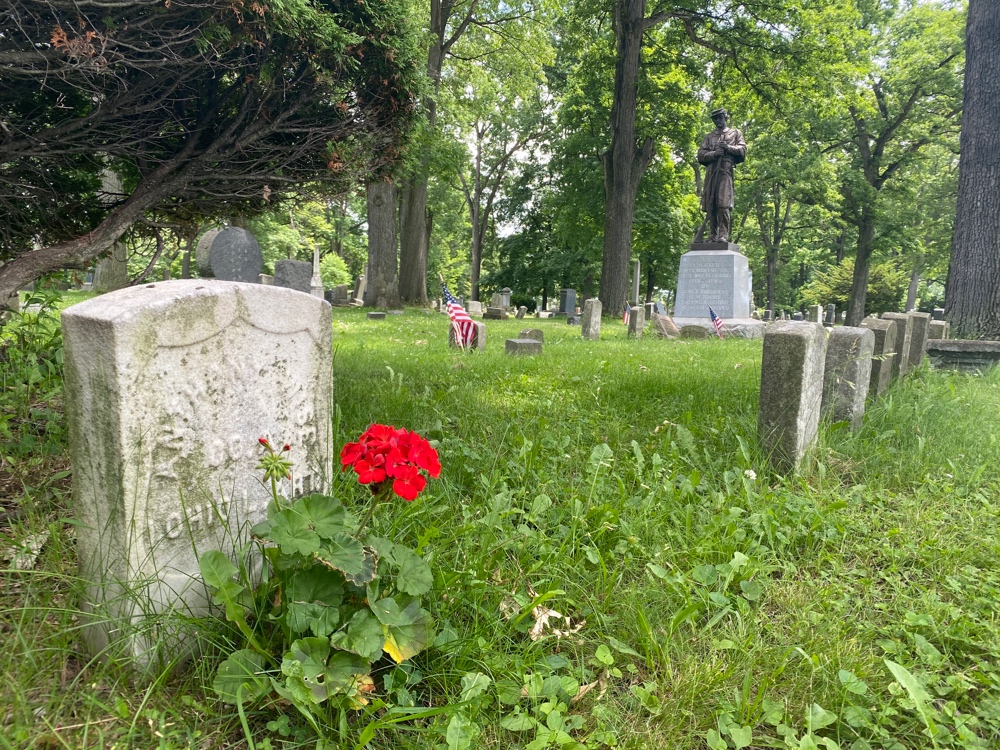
column 333, row 599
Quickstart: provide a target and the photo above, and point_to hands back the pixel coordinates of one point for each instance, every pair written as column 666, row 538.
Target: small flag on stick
column 716, row 321
column 626, row 314
column 465, row 328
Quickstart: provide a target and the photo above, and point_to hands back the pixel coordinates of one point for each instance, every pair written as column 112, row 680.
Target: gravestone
column 815, row 314
column 791, row 391
column 111, row 273
column 230, row 254
column 716, row 275
column 475, row 307
column 339, row 295
column 360, row 288
column 965, row 356
column 918, row 339
column 847, row 374
column 521, row 312
column 592, row 319
column 567, row 300
column 883, row 355
column 784, row 315
column 495, row 313
column 316, row 280
column 798, row 317
column 478, row 338
column 904, row 335
column 265, row 278
column 831, row 315
column 635, row 284
column 376, row 316
column 693, row 332
column 664, row 327
column 573, row 319
column 293, row 274
column 938, row 330
column 496, row 300
column 523, row 347
column 938, row 313
column 505, row 296
column 768, row 316
column 636, row 321
column 168, row 388
column 532, row 333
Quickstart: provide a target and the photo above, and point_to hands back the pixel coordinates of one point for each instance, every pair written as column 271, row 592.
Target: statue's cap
column 719, row 111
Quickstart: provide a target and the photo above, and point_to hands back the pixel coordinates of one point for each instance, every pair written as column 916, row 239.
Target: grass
column 711, row 603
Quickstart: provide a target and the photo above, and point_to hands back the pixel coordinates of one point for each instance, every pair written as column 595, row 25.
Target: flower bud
column 287, row 447
column 262, row 441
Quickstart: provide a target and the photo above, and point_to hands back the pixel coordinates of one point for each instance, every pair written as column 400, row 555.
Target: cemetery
column 381, row 376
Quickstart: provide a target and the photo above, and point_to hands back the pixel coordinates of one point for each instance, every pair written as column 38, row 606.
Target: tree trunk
column 772, row 275
column 413, row 238
column 911, row 291
column 862, row 264
column 624, row 162
column 973, row 292
column 382, row 289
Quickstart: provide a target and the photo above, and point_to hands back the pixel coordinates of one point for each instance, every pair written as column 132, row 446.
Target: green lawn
column 710, row 603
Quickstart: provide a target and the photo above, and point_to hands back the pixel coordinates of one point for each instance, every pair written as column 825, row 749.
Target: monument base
column 713, row 275
column 741, row 328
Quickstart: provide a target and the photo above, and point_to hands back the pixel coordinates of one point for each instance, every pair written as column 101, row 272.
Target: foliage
column 886, row 287
column 331, row 601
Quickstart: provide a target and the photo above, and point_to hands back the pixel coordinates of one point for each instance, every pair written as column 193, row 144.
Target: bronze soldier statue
column 720, row 150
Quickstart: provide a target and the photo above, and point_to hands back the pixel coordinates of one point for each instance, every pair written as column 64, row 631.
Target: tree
column 973, row 292
column 382, row 277
column 204, row 108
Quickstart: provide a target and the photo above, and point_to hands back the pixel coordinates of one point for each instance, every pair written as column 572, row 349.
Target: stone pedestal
column 716, row 275
column 592, row 319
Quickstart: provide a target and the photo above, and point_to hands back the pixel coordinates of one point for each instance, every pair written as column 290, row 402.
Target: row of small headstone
column 808, row 371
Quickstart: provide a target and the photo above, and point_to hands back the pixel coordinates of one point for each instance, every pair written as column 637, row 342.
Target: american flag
column 716, row 321
column 465, row 328
column 626, row 314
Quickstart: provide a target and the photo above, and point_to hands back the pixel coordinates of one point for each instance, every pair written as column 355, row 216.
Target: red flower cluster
column 383, row 453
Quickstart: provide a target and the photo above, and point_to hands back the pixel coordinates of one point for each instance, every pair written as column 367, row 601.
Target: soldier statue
column 720, row 150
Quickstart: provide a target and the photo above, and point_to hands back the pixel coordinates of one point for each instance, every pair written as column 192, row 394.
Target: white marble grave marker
column 168, row 388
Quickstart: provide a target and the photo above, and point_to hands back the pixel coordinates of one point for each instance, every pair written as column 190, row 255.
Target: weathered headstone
column 791, row 391
column 938, row 330
column 168, row 388
column 265, row 278
column 475, row 307
column 847, row 374
column 567, row 300
column 815, row 314
column 230, row 254
column 650, row 310
column 635, row 284
column 293, row 274
column 918, row 338
column 592, row 319
column 111, row 273
column 532, row 333
column 338, row 295
column 883, row 355
column 358, row 298
column 904, row 334
column 636, row 321
column 523, row 346
column 505, row 296
column 831, row 315
column 496, row 300
column 938, row 313
column 768, row 316
column 521, row 312
column 664, row 327
column 965, row 356
column 693, row 332
column 478, row 338
column 495, row 313
column 376, row 316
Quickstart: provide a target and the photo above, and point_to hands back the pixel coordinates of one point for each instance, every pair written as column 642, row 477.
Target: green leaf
column 741, row 736
column 715, row 741
column 460, row 732
column 474, row 684
column 323, row 514
column 313, row 675
column 345, row 553
column 414, row 575
column 363, row 636
column 604, row 656
column 217, row 570
column 407, row 630
column 751, row 590
column 242, row 668
column 517, row 722
column 852, row 683
column 706, row 575
column 818, row 717
column 320, row 619
column 291, row 532
column 315, row 584
column 621, row 648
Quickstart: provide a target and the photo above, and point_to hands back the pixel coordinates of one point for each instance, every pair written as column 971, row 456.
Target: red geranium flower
column 384, row 452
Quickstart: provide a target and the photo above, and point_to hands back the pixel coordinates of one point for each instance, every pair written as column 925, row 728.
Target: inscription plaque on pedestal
column 716, row 275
